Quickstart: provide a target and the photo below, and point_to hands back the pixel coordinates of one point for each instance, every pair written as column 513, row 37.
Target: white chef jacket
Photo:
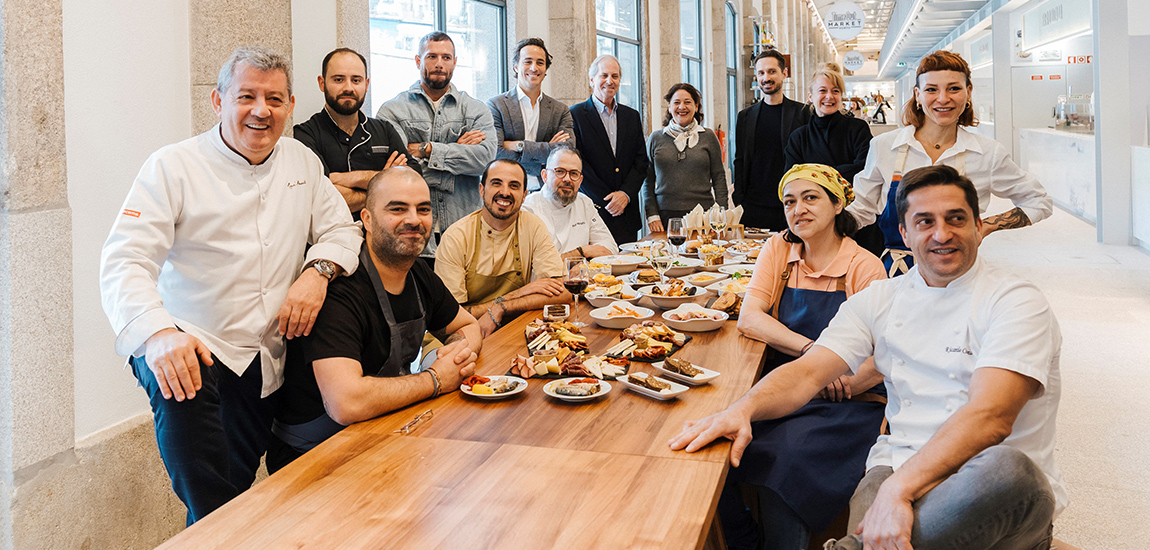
column 987, row 164
column 572, row 226
column 928, row 342
column 210, row 243
column 530, row 127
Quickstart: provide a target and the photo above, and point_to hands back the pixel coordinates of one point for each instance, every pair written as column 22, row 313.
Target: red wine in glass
column 575, row 286
column 677, row 240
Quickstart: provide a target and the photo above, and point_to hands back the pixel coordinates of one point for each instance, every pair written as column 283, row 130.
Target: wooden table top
column 525, row 472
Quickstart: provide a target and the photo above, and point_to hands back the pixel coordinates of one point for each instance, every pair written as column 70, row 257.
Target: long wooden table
column 522, row 473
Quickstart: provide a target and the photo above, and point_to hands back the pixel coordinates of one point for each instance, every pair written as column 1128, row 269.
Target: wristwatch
column 425, row 149
column 324, row 267
column 519, row 147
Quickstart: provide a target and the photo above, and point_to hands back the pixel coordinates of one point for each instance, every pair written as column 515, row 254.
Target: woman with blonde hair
column 936, row 132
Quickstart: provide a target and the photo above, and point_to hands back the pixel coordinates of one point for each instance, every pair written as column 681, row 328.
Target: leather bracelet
column 434, row 378
column 581, row 253
column 803, row 351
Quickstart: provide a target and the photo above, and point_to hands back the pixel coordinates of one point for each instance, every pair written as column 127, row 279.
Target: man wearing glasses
column 571, row 218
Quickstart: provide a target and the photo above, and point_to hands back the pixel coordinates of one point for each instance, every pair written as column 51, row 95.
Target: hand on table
column 888, row 522
column 174, row 359
column 838, row 390
column 302, row 304
column 729, row 423
column 453, row 363
column 655, row 226
column 545, row 287
column 472, row 137
column 617, row 202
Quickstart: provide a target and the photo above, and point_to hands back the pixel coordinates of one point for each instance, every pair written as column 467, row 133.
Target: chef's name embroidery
column 296, row 184
column 132, row 213
column 965, row 351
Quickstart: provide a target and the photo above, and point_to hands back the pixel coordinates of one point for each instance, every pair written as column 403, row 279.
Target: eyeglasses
column 410, row 426
column 561, row 172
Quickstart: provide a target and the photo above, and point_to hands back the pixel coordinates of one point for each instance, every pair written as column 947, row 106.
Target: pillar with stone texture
column 572, row 46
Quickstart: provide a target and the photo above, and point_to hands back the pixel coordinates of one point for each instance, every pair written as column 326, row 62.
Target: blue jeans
column 211, row 444
column 998, row 500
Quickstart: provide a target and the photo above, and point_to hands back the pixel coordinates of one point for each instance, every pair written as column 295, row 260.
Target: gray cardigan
column 679, row 184
column 509, row 126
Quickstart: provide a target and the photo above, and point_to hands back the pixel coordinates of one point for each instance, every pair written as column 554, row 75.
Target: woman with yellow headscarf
column 805, row 466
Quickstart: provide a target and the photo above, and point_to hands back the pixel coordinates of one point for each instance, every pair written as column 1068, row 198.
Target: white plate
column 720, row 287
column 695, row 325
column 639, row 246
column 686, row 265
column 728, row 259
column 672, row 302
column 522, row 385
column 623, row 263
column 703, row 378
column 598, row 299
column 715, row 277
column 622, row 321
column 746, row 269
column 604, row 389
column 664, row 395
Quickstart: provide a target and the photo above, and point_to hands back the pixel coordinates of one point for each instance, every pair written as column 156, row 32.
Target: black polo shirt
column 351, row 324
column 368, row 148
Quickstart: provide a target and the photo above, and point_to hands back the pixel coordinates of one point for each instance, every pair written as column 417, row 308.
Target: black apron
column 406, row 338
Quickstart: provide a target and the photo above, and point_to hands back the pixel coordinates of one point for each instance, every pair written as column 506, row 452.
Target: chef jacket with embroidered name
column 577, row 224
column 210, row 243
column 928, row 341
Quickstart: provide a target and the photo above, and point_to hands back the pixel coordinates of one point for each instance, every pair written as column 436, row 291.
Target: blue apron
column 897, row 257
column 815, row 457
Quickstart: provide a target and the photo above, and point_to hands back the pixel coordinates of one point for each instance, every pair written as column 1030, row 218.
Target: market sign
column 1054, row 20
column 844, row 20
column 981, row 52
column 853, row 60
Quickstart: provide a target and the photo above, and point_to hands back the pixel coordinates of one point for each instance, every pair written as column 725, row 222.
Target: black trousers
column 211, row 444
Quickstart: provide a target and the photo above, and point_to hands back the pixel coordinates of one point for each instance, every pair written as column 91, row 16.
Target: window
column 476, row 27
column 617, row 26
column 691, row 44
column 732, row 81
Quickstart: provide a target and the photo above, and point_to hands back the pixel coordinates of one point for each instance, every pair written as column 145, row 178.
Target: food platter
column 631, row 342
column 520, row 386
column 698, row 380
column 672, row 391
column 565, row 364
column 550, row 387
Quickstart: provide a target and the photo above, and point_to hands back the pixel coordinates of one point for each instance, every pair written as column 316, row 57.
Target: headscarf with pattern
column 823, row 175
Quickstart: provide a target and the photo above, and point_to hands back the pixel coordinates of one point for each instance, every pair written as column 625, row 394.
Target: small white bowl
column 622, row 321
column 745, row 269
column 686, row 266
column 669, row 393
column 598, row 299
column 720, row 287
column 621, row 264
column 695, row 325
column 672, row 302
column 696, row 278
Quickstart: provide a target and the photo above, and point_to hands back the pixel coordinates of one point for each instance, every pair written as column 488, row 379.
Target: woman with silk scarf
column 686, row 167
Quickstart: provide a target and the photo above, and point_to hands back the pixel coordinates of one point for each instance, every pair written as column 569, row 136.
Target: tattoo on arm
column 455, row 337
column 1010, row 219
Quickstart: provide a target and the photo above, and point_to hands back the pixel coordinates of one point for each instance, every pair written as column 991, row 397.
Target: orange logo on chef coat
column 132, row 213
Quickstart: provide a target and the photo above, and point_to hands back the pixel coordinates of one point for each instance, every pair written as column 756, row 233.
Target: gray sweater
column 679, row 184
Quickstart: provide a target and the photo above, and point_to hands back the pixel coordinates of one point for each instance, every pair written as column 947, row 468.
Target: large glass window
column 617, row 26
column 475, row 26
column 732, row 80
column 691, row 43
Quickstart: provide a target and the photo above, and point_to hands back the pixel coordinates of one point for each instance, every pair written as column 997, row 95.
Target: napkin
column 734, row 215
column 696, row 217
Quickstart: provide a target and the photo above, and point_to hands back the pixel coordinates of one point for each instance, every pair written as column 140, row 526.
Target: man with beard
column 355, row 364
column 352, row 147
column 571, row 217
column 487, row 258
column 761, row 134
column 450, row 134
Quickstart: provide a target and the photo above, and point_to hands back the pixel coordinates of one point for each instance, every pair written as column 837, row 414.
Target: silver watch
column 325, row 268
column 519, row 147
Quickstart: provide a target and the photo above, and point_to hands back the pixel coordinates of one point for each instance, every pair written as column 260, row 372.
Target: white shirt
column 928, row 342
column 530, row 127
column 210, row 243
column 987, row 164
column 572, row 226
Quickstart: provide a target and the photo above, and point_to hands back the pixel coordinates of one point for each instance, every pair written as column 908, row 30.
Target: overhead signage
column 1055, row 77
column 1036, row 77
column 1054, row 20
column 853, row 60
column 981, row 52
column 1080, row 59
column 844, row 20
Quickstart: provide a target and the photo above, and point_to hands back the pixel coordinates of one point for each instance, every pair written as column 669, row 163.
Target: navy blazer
column 604, row 171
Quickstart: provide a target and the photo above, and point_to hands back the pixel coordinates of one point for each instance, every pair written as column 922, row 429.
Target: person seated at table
column 804, row 466
column 571, row 217
column 970, row 354
column 487, row 258
column 355, row 363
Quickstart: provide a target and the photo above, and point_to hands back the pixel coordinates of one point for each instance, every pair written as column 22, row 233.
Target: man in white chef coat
column 970, row 354
column 204, row 274
column 571, row 217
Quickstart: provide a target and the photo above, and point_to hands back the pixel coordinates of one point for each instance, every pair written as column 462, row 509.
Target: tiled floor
column 1101, row 295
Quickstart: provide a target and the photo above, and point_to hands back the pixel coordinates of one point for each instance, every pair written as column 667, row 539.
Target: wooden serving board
column 670, row 352
column 552, row 376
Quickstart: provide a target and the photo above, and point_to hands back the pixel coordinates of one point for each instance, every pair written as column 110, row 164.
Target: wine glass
column 717, row 217
column 577, row 279
column 661, row 256
column 676, row 233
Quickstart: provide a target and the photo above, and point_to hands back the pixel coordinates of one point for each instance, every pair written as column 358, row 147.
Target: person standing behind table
column 352, row 147
column 935, row 133
column 609, row 135
column 356, row 363
column 488, row 257
column 834, row 139
column 576, row 228
column 970, row 353
column 204, row 273
column 761, row 134
column 686, row 166
column 529, row 125
column 449, row 133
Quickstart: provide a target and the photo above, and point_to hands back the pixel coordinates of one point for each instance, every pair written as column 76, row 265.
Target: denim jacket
column 453, row 170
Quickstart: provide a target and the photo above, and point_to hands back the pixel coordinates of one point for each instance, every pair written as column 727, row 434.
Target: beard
column 391, row 247
column 557, row 195
column 334, row 103
column 436, row 82
column 769, row 88
column 491, row 208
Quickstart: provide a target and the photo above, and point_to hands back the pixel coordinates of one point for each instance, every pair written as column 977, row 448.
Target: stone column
column 669, row 57
column 352, row 28
column 36, row 398
column 572, row 47
column 218, row 27
column 1112, row 122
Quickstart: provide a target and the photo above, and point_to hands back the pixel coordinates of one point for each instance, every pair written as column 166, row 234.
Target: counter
column 1064, row 163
